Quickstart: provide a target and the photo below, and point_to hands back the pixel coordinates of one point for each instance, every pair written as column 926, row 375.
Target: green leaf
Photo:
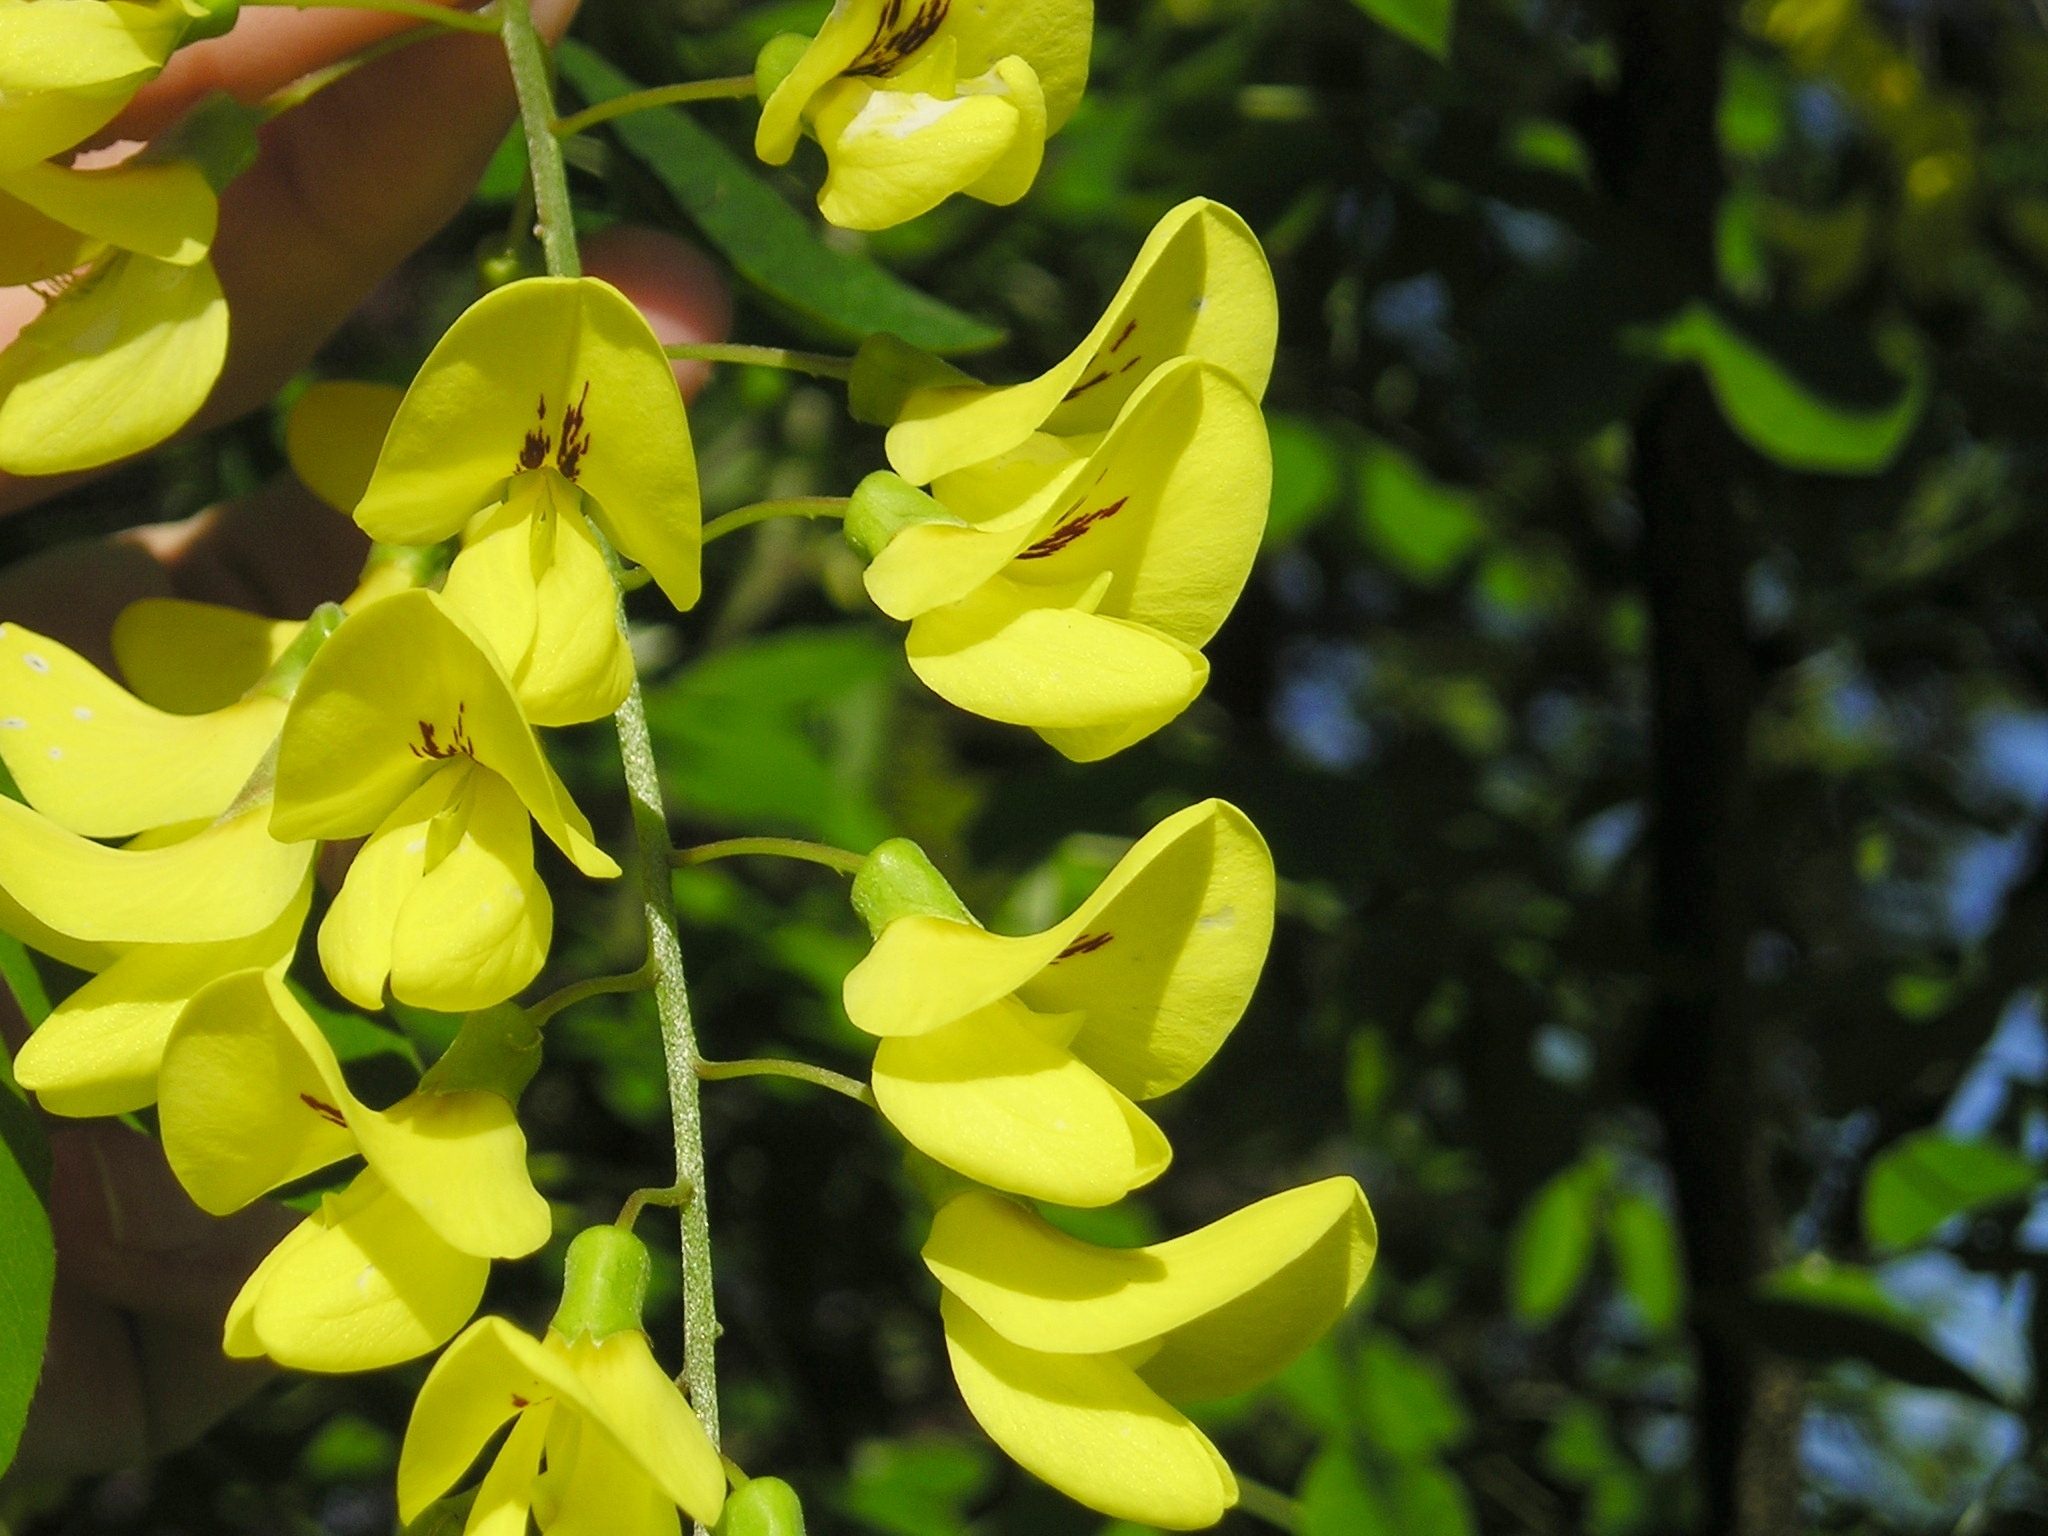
column 354, row 1037
column 1779, row 416
column 28, row 1262
column 1308, row 477
column 445, row 1517
column 845, row 296
column 1337, row 1500
column 1429, row 1499
column 1919, row 1182
column 1425, row 23
column 1407, row 1403
column 915, row 1487
column 19, row 971
column 1646, row 1257
column 1821, row 1312
column 1422, row 529
column 1553, row 1244
column 783, row 734
column 1316, row 1389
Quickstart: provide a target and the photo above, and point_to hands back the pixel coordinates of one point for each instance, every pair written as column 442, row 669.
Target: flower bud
column 500, row 260
column 762, row 1506
column 778, row 56
column 887, row 371
column 885, row 504
column 604, row 1285
column 899, row 880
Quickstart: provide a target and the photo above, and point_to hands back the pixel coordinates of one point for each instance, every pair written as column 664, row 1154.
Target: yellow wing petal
column 192, row 658
column 459, row 1159
column 37, row 246
column 371, row 1287
column 1299, row 1257
column 892, row 155
column 116, row 365
column 355, row 936
column 67, row 67
column 989, row 1098
column 98, row 761
column 334, row 435
column 1087, row 1425
column 1200, row 287
column 492, row 1372
column 851, row 28
column 98, row 1052
column 505, row 1497
column 165, row 209
column 632, row 1400
column 249, row 1095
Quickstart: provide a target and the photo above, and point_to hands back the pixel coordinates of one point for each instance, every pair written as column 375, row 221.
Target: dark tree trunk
column 1700, row 1063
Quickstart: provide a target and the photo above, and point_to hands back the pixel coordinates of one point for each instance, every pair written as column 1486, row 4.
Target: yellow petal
column 532, row 582
column 546, row 371
column 1200, row 287
column 601, row 1492
column 1011, row 177
column 164, row 209
column 67, row 67
column 505, row 1496
column 115, row 365
column 1006, row 653
column 228, row 881
column 79, row 954
column 494, row 1371
column 370, row 1287
column 459, row 1159
column 98, row 761
column 1233, row 1302
column 334, row 435
column 99, row 1050
column 1087, row 1425
column 401, row 688
column 37, row 246
column 928, row 565
column 892, row 155
column 191, row 658
column 355, row 936
column 249, row 1096
column 991, row 1099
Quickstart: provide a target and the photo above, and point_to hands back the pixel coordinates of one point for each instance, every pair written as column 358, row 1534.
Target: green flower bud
column 778, row 56
column 882, row 506
column 604, row 1285
column 497, row 1051
column 762, row 1506
column 500, row 260
column 899, row 880
column 887, row 371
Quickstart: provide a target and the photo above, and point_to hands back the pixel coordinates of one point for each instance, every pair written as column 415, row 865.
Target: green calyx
column 497, row 1051
column 208, row 18
column 604, row 1285
column 761, row 1506
column 217, row 135
column 282, row 680
column 887, row 371
column 899, row 880
column 885, row 504
column 776, row 59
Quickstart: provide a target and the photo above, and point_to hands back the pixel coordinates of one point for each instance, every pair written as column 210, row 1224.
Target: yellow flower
column 1199, row 288
column 1081, row 610
column 68, row 67
column 914, row 100
column 251, row 1097
column 1015, row 1061
column 548, row 406
column 99, row 1050
column 404, row 730
column 1072, row 1357
column 623, row 1450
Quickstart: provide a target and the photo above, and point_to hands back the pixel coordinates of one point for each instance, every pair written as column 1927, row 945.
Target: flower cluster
column 135, row 329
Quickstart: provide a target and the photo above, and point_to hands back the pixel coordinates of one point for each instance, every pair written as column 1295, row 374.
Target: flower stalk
column 841, row 859
column 819, row 365
column 727, row 88
column 762, row 511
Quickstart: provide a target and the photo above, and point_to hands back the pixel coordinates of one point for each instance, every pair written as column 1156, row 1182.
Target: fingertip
column 674, row 284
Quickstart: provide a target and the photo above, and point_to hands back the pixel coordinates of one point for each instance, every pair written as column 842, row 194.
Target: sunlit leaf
column 1337, row 1499
column 1918, row 1183
column 1646, row 1257
column 1407, row 1403
column 28, row 1262
column 915, row 1487
column 1425, row 23
column 1421, row 528
column 1553, row 1244
column 1308, row 476
column 1778, row 415
column 773, row 247
column 1820, row 1312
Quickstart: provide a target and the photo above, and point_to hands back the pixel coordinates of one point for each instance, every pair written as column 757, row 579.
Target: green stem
column 819, row 365
column 528, row 60
column 287, row 98
column 1267, row 1504
column 841, row 859
column 676, row 1197
column 762, row 511
column 802, row 1071
column 418, row 10
column 594, row 986
column 728, row 88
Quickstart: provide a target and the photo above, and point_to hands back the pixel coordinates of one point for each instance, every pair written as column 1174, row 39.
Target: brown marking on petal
column 1127, row 367
column 895, row 39
column 534, row 452
column 575, row 436
column 1087, row 944
column 325, row 1111
column 520, row 1402
column 459, row 746
column 1082, row 388
column 1067, row 532
column 1123, row 336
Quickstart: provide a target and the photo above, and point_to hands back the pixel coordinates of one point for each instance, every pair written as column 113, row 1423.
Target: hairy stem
column 730, row 87
column 819, row 365
column 419, row 10
column 802, row 1071
column 762, row 511
column 771, row 847
column 528, row 59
